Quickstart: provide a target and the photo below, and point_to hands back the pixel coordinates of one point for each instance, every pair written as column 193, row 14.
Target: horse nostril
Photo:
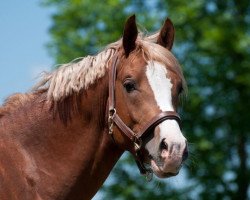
column 185, row 153
column 163, row 145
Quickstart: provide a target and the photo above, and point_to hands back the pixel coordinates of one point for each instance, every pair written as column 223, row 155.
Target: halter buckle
column 111, row 121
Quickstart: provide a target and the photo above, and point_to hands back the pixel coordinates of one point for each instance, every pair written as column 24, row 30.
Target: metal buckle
column 111, row 121
column 137, row 143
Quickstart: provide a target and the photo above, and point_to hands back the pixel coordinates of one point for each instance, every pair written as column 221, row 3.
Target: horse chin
column 165, row 170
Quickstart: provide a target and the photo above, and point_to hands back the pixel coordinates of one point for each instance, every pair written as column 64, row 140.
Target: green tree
column 214, row 37
column 83, row 27
column 213, row 45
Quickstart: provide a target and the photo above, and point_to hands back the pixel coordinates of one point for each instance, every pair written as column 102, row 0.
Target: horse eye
column 129, row 86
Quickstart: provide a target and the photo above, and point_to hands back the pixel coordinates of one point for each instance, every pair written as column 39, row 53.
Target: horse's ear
column 166, row 36
column 129, row 35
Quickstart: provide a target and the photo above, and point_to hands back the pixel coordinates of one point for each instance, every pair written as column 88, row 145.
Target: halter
column 135, row 138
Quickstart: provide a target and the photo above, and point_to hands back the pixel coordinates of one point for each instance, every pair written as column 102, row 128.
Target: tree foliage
column 216, row 41
column 213, row 46
column 83, row 27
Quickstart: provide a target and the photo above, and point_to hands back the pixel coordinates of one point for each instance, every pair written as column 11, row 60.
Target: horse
column 62, row 139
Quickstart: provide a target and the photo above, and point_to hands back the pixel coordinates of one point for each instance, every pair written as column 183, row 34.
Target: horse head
column 148, row 82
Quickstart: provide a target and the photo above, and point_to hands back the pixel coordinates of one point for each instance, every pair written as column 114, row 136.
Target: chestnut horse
column 62, row 140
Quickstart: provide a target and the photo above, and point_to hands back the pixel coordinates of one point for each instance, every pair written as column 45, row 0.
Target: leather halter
column 135, row 138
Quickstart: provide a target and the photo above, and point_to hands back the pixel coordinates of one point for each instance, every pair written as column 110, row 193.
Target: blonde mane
column 74, row 76
column 82, row 72
column 69, row 79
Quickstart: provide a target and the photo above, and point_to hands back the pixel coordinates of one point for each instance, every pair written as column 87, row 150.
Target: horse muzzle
column 169, row 158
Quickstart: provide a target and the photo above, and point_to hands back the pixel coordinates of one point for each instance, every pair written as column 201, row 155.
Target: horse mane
column 82, row 72
column 74, row 76
column 64, row 85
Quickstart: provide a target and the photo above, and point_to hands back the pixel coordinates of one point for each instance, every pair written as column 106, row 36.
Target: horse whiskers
column 158, row 160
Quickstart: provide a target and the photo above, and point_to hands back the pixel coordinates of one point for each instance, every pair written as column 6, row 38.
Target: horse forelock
column 153, row 52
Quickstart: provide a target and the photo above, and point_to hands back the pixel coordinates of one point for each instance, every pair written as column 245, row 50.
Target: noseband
column 135, row 138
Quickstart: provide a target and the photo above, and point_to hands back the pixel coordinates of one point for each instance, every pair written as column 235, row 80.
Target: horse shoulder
column 17, row 174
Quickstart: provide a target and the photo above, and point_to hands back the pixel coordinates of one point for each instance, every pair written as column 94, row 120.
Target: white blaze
column 161, row 86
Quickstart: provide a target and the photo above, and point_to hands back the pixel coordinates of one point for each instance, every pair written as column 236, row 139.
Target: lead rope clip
column 137, row 144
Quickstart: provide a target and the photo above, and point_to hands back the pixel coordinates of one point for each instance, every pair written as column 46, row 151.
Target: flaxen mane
column 83, row 72
column 64, row 84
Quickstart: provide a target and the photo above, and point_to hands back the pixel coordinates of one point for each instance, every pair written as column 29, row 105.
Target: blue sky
column 23, row 55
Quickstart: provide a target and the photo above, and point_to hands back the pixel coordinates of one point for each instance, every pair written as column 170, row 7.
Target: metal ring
column 112, row 112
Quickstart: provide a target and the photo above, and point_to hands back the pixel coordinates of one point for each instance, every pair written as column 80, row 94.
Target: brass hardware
column 111, row 121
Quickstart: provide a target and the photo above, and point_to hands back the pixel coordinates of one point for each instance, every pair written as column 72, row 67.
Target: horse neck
column 73, row 160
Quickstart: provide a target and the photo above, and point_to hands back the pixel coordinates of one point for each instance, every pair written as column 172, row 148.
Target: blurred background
column 213, row 46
